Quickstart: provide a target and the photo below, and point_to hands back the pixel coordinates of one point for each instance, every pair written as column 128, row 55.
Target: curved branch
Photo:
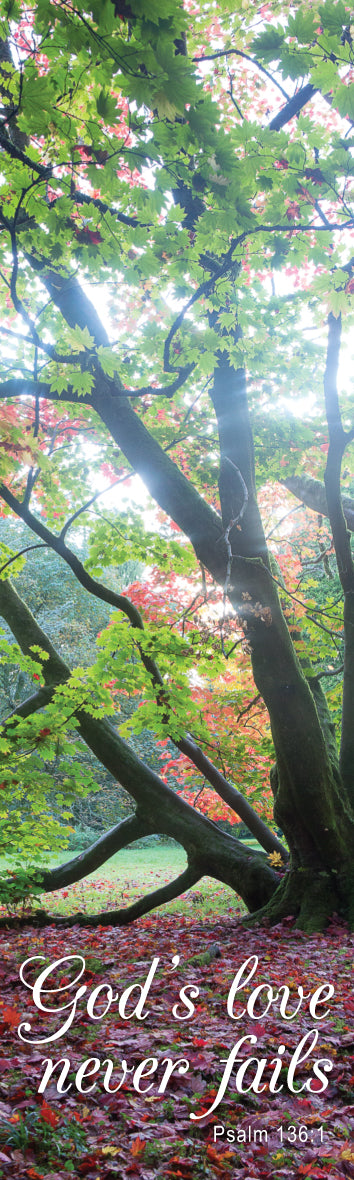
column 312, row 493
column 132, row 828
column 228, row 262
column 20, row 554
column 44, row 171
column 338, row 440
column 247, row 57
column 163, row 390
column 58, row 545
column 121, row 917
column 31, row 705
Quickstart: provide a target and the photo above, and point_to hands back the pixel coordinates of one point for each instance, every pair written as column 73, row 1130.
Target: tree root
column 311, row 898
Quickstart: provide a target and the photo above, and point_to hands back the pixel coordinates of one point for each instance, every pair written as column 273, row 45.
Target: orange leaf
column 138, row 1146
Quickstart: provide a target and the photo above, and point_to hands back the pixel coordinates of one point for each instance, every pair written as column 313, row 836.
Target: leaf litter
column 128, row 1134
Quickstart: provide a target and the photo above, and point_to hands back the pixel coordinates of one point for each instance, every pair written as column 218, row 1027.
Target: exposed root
column 309, row 897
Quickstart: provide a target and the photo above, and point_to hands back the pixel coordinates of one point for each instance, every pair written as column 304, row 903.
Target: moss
column 308, row 896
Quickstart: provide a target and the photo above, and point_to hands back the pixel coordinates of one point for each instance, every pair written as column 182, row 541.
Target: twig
column 247, row 57
column 84, row 507
column 19, row 554
column 226, row 537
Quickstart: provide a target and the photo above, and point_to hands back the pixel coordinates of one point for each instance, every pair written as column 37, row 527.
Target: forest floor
column 129, row 1119
column 130, row 874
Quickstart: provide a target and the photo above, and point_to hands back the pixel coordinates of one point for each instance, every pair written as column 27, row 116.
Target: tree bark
column 312, row 493
column 338, row 440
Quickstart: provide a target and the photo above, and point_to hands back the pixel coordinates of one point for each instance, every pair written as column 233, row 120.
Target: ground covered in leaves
column 135, row 1130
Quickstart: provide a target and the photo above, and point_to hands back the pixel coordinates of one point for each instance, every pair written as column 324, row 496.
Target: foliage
column 74, row 621
column 18, row 889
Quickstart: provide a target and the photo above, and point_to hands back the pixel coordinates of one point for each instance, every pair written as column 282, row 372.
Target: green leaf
column 79, row 338
column 108, row 360
column 269, row 44
column 333, row 16
column 302, row 26
column 344, row 99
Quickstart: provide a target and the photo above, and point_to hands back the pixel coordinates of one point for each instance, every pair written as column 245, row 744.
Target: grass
column 130, row 874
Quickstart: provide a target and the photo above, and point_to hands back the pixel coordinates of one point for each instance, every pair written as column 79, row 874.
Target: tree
column 74, row 620
column 181, row 163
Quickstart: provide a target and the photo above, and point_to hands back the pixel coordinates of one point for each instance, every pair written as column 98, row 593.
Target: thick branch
column 232, row 797
column 292, row 107
column 24, row 386
column 338, row 440
column 133, row 828
column 144, row 905
column 312, row 493
column 30, row 705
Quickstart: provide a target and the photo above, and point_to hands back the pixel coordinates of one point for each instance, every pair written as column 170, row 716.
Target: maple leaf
column 10, row 1017
column 43, row 733
column 138, row 1146
column 48, row 1115
column 276, row 860
column 293, row 210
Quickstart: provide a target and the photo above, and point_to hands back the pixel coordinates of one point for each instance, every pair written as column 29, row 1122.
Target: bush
column 81, row 837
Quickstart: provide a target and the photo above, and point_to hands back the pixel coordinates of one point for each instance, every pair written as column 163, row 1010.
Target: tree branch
column 57, row 543
column 31, row 705
column 11, row 560
column 132, row 828
column 144, row 905
column 187, row 747
column 292, row 107
column 247, row 57
column 338, row 440
column 46, row 172
column 121, row 917
column 215, row 853
column 312, row 493
column 232, row 797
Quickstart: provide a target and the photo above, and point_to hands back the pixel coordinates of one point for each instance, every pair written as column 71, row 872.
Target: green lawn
column 131, row 873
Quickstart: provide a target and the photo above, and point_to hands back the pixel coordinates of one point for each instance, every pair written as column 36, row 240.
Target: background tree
column 181, row 162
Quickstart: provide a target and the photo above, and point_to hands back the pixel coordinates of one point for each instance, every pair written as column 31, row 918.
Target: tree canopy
column 176, row 284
